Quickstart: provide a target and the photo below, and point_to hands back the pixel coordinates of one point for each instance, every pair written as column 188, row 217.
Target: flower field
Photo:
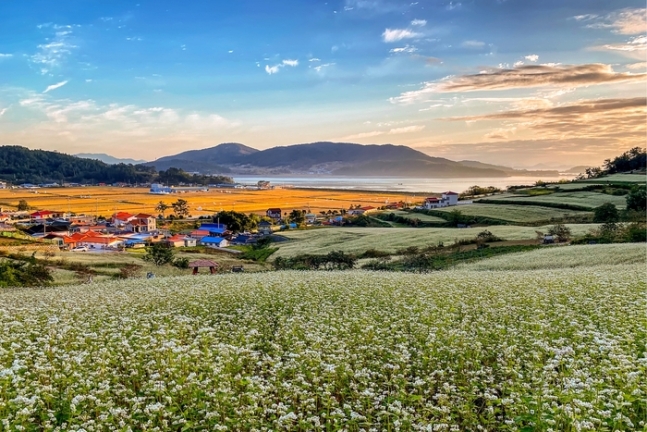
column 358, row 240
column 514, row 213
column 536, row 351
column 565, row 257
column 584, row 199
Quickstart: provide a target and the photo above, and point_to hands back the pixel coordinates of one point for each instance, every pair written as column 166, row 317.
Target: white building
column 447, row 199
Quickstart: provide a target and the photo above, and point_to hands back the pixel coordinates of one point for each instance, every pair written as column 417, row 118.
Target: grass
column 411, row 215
column 515, row 213
column 618, row 178
column 301, row 351
column 585, row 200
column 358, row 240
column 565, row 257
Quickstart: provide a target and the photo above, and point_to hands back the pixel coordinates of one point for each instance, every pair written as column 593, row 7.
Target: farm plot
column 306, row 351
column 618, row 178
column 357, row 240
column 565, row 257
column 413, row 215
column 515, row 213
column 582, row 199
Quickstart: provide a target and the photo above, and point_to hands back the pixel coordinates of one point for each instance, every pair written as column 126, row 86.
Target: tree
column 561, row 231
column 159, row 254
column 235, row 221
column 162, row 207
column 24, row 273
column 637, row 198
column 23, row 205
column 297, row 216
column 606, row 213
column 181, row 207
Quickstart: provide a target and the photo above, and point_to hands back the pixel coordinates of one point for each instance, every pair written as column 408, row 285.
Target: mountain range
column 110, row 160
column 346, row 159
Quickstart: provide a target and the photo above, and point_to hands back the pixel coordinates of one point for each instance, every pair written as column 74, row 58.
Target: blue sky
column 511, row 81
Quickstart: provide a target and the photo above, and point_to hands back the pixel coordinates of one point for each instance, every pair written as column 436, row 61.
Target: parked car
column 80, row 249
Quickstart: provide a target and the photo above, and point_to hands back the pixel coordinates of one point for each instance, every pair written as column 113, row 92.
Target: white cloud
column 419, row 22
column 637, row 66
column 518, row 63
column 51, row 55
column 321, row 67
column 5, row 55
column 585, row 17
column 55, row 86
column 473, row 44
column 394, row 35
column 405, row 49
column 638, row 43
column 532, row 58
column 624, row 21
column 276, row 68
column 314, row 59
column 272, row 69
column 2, row 111
column 406, row 129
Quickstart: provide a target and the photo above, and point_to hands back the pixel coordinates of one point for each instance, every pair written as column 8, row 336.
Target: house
column 243, row 239
column 139, row 223
column 122, row 218
column 450, row 197
column 180, row 240
column 274, row 213
column 265, row 227
column 360, row 210
column 311, row 218
column 43, row 214
column 100, row 242
column 214, row 241
column 198, row 234
column 447, row 199
column 215, row 229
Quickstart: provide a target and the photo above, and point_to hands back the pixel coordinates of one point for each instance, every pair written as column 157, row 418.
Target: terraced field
column 514, row 213
column 357, row 240
column 583, row 199
column 421, row 216
column 565, row 257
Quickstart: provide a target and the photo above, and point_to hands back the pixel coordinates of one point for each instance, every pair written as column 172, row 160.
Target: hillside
column 511, row 171
column 111, row 160
column 328, row 158
column 22, row 165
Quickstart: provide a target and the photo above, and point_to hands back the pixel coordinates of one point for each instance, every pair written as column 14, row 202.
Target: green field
column 583, row 199
column 514, row 213
column 565, row 257
column 617, row 178
column 357, row 240
column 421, row 216
column 302, row 351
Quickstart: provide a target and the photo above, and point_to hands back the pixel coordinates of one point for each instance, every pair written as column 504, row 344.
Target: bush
column 374, row 253
column 159, row 254
column 606, row 213
column 561, row 232
column 181, row 263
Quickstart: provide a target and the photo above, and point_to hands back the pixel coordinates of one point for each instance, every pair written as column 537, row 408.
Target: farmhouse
column 214, row 241
column 180, row 240
column 265, row 228
column 447, row 199
column 274, row 213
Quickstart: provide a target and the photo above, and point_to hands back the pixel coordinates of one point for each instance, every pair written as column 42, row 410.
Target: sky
column 521, row 83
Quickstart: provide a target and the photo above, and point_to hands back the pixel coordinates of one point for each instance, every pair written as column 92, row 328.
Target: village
column 123, row 230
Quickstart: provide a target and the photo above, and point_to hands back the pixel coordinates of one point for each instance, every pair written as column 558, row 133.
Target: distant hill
column 577, row 170
column 511, row 171
column 22, row 165
column 111, row 160
column 325, row 158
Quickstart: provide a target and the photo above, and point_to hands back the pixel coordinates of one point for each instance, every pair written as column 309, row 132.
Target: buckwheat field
column 549, row 350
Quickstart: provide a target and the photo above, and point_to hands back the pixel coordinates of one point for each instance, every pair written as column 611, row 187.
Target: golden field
column 106, row 200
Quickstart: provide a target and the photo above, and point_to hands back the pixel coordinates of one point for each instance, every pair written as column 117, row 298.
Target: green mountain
column 327, row 158
column 21, row 165
column 110, row 160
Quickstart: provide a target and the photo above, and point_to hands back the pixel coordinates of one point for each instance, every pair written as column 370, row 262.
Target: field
column 618, row 178
column 108, row 200
column 514, row 213
column 580, row 198
column 542, row 351
column 357, row 240
column 422, row 217
column 565, row 257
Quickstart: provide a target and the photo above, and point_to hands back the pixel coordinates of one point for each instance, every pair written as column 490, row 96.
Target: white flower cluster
column 357, row 351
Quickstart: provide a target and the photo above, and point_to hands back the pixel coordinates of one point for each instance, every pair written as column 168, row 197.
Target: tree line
column 22, row 165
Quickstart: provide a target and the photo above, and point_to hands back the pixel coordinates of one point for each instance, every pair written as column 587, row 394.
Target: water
column 391, row 184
